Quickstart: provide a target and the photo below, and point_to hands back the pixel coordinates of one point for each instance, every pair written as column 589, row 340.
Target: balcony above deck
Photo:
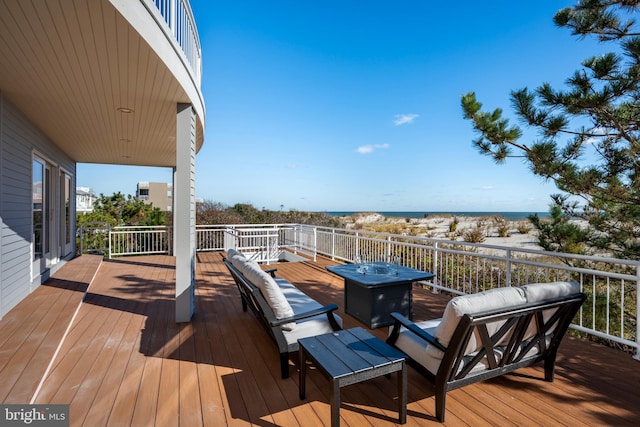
column 102, row 78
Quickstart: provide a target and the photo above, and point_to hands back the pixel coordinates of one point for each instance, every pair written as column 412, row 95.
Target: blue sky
column 353, row 105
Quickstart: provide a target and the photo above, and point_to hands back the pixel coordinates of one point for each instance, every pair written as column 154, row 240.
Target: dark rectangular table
column 373, row 291
column 351, row 356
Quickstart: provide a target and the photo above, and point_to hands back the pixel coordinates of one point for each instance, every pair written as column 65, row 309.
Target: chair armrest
column 271, row 271
column 400, row 320
column 322, row 310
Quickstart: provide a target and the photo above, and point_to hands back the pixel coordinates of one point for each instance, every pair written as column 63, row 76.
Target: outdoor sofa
column 491, row 333
column 286, row 313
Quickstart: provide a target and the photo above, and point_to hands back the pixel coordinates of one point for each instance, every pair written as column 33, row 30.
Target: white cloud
column 370, row 148
column 403, row 119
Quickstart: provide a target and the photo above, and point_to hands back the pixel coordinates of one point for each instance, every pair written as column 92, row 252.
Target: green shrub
column 523, row 227
column 474, row 235
column 502, row 226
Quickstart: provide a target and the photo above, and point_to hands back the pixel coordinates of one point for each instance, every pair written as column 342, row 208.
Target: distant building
column 84, row 199
column 159, row 194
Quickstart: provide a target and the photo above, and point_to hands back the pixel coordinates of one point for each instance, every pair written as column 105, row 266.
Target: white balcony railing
column 610, row 312
column 181, row 25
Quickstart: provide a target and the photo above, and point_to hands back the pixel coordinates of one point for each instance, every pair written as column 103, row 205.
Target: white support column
column 173, row 248
column 184, row 214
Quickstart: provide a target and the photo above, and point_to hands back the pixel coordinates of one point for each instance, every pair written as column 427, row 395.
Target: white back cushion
column 474, row 304
column 237, row 261
column 232, row 252
column 536, row 292
column 269, row 288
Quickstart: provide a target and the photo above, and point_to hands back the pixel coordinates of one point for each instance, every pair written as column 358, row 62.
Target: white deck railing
column 136, row 240
column 610, row 312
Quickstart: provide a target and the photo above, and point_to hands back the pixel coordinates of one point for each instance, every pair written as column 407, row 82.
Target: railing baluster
column 459, row 266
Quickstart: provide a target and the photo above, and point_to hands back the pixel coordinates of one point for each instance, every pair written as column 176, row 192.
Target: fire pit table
column 372, row 291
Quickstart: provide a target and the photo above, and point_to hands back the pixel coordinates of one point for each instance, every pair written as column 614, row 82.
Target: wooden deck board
column 130, row 373
column 126, row 362
column 147, row 401
column 19, row 383
column 93, row 402
column 31, row 332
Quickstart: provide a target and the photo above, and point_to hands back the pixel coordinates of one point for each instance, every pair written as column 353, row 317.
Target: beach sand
column 438, row 227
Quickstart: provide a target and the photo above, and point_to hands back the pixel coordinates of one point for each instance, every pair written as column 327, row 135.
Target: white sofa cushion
column 475, row 303
column 232, row 252
column 269, row 288
column 413, row 346
column 430, row 357
column 298, row 300
column 237, row 260
column 536, row 292
column 301, row 303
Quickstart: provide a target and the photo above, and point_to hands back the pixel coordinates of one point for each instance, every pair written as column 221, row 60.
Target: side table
column 351, row 356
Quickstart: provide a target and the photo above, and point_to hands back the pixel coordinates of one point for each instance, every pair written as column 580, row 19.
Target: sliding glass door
column 41, row 215
column 52, row 214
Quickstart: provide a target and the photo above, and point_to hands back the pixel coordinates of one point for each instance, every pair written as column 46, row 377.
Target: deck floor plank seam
column 34, row 350
column 48, row 315
column 91, row 402
column 216, row 330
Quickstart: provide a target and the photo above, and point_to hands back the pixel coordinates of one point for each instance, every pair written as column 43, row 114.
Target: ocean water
column 509, row 216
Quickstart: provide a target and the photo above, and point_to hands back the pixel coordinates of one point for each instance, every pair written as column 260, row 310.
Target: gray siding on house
column 19, row 139
column 2, row 179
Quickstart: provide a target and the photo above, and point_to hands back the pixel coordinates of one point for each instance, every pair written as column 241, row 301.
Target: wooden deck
column 124, row 361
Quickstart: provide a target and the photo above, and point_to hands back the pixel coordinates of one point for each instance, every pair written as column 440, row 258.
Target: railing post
column 434, row 263
column 315, row 243
column 508, row 267
column 357, row 246
column 172, row 18
column 388, row 256
column 109, row 246
column 333, row 244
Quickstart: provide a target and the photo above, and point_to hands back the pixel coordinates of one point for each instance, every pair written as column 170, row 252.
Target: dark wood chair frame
column 252, row 298
column 455, row 368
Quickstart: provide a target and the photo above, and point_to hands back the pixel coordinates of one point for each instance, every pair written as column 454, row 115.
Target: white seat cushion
column 430, row 357
column 298, row 300
column 312, row 326
column 301, row 303
column 414, row 347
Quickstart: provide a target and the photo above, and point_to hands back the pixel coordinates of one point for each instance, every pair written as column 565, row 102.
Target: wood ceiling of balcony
column 70, row 65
